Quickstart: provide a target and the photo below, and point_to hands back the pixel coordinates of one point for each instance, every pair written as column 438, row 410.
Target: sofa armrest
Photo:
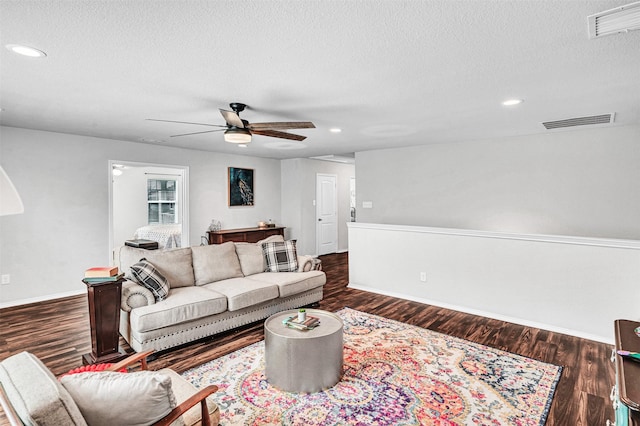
column 308, row 263
column 305, row 263
column 134, row 296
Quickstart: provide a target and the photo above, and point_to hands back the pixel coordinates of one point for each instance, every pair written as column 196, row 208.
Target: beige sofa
column 212, row 289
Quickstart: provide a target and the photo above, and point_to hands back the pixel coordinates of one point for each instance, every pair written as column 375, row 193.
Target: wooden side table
column 104, row 318
column 626, row 393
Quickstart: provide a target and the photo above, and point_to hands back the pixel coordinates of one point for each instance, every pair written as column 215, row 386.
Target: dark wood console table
column 243, row 235
column 626, row 393
column 104, row 318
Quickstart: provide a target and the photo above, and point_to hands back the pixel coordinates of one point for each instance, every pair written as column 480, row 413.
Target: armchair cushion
column 149, row 277
column 36, row 395
column 107, row 398
column 281, row 256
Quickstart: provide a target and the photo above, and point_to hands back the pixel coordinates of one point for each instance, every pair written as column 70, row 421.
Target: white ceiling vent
column 619, row 20
column 580, row 121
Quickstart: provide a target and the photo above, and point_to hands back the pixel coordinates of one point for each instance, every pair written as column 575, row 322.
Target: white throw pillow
column 124, row 399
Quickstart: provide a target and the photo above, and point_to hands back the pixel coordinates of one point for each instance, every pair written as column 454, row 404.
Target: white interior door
column 326, row 214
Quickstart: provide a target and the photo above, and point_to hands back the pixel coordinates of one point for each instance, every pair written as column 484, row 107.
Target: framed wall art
column 241, row 187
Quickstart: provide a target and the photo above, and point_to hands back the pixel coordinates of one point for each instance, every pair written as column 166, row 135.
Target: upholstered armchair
column 31, row 395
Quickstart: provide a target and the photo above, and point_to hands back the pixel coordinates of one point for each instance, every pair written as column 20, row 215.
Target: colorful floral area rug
column 394, row 374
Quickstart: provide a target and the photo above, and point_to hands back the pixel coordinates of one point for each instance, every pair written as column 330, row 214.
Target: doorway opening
column 148, row 201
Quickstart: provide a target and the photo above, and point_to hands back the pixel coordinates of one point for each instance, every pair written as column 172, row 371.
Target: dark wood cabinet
column 243, row 235
column 626, row 393
column 104, row 319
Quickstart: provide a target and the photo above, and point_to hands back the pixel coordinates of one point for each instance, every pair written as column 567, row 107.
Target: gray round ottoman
column 303, row 361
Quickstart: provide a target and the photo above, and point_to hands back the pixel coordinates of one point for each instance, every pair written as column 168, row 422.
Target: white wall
column 580, row 183
column 576, row 286
column 63, row 181
column 298, row 195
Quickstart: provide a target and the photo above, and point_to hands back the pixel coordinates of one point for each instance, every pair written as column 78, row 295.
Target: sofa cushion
column 251, row 258
column 183, row 304
column 108, row 398
column 243, row 292
column 281, row 256
column 290, row 283
column 270, row 239
column 215, row 262
column 176, row 264
column 149, row 277
column 36, row 394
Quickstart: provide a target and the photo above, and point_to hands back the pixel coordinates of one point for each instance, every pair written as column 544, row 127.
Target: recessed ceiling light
column 242, row 145
column 511, row 102
column 31, row 52
column 335, row 130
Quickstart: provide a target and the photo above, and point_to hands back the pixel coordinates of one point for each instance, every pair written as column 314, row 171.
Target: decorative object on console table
column 243, row 235
column 626, row 392
column 266, row 224
column 240, row 187
column 104, row 320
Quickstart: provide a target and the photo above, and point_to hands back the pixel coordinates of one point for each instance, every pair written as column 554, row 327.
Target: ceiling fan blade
column 232, row 118
column 278, row 134
column 282, row 125
column 197, row 133
column 185, row 122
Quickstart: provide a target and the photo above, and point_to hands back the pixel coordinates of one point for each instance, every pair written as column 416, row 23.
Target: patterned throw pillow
column 148, row 276
column 281, row 256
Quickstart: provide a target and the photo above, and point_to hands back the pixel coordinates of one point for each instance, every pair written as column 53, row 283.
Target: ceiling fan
column 238, row 130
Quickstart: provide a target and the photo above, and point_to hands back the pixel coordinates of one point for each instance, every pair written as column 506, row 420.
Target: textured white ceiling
column 389, row 73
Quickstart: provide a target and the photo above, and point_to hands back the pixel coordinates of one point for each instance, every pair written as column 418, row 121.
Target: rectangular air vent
column 580, row 121
column 618, row 20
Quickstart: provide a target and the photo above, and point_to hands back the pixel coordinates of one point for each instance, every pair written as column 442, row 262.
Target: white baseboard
column 41, row 298
column 486, row 314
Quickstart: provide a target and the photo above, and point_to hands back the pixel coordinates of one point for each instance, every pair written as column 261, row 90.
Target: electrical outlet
column 423, row 277
column 6, row 278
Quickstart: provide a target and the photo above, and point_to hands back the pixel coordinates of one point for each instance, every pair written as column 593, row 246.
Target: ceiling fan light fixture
column 235, row 135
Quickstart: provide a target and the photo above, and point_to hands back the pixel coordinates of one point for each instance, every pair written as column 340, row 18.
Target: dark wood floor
column 58, row 333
